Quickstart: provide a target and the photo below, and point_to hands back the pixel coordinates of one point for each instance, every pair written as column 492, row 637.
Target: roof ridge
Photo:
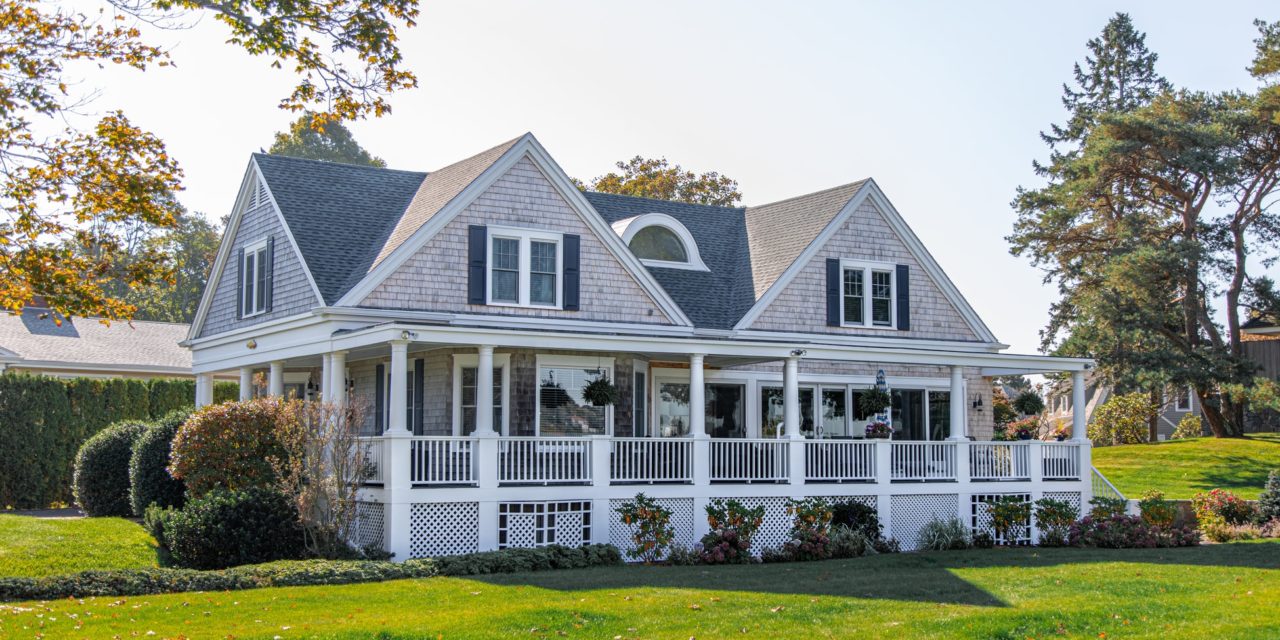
column 508, row 144
column 331, row 163
column 812, row 193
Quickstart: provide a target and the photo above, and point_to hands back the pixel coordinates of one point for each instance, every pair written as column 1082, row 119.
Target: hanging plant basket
column 600, row 392
column 874, row 400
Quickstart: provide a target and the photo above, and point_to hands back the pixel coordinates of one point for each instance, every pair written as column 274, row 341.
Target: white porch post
column 338, row 378
column 397, row 441
column 791, row 397
column 486, row 448
column 697, row 396
column 246, row 383
column 275, row 386
column 959, row 426
column 326, row 377
column 701, row 440
column 484, row 392
column 398, row 406
column 1079, row 430
column 204, row 389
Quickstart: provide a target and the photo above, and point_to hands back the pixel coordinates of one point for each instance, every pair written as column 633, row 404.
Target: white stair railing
column 1102, row 487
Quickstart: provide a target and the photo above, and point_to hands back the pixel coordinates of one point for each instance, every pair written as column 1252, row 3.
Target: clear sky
column 940, row 102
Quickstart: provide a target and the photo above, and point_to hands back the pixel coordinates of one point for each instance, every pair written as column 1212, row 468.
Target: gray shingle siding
column 291, row 292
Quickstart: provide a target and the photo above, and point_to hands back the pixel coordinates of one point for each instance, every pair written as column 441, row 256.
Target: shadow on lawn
column 918, row 577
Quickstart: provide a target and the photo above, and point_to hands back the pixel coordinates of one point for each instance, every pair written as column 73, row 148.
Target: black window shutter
column 379, row 400
column 833, row 292
column 477, row 241
column 904, row 297
column 419, row 394
column 269, row 271
column 572, row 273
column 240, row 285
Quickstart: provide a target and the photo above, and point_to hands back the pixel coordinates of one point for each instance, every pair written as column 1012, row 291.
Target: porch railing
column 651, row 460
column 544, row 461
column 923, row 461
column 999, row 461
column 1102, row 487
column 749, row 460
column 1060, row 461
column 371, row 450
column 840, row 461
column 442, row 460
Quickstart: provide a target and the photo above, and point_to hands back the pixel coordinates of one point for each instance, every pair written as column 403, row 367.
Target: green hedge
column 43, row 422
column 297, row 573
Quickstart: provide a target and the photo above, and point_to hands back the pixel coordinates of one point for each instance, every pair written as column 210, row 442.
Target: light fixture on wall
column 798, row 352
column 252, row 344
column 408, row 335
column 977, row 402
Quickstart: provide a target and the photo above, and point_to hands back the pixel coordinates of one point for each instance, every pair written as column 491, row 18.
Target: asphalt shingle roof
column 779, row 232
column 29, row 336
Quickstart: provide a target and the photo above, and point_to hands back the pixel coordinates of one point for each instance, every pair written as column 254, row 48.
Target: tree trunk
column 1212, row 415
column 1153, row 425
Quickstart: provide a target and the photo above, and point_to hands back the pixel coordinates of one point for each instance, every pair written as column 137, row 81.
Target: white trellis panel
column 538, row 524
column 370, row 519
column 909, row 513
column 776, row 528
column 443, row 529
column 1070, row 497
column 681, row 520
column 981, row 518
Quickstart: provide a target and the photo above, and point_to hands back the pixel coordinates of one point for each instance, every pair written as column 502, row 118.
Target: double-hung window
column 253, row 282
column 525, row 267
column 867, row 298
column 466, row 393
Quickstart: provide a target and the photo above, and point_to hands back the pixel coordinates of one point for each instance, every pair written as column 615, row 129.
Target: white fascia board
column 886, row 340
column 62, row 365
column 374, row 316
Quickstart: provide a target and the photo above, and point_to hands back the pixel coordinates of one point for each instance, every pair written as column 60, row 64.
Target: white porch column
column 1079, row 430
column 397, row 408
column 246, row 383
column 697, row 396
column 326, row 375
column 275, row 386
column 484, row 391
column 791, row 397
column 959, row 428
column 204, row 389
column 338, row 378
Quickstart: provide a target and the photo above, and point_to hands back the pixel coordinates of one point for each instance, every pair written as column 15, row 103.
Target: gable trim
column 870, row 190
column 526, row 146
column 252, row 176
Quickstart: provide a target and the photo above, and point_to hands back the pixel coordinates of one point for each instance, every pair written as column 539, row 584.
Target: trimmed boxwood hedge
column 44, row 421
column 228, row 528
column 294, row 573
column 101, row 480
column 149, row 479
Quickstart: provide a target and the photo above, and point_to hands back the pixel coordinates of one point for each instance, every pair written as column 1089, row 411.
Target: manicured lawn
column 52, row 546
column 1219, row 591
column 1182, row 468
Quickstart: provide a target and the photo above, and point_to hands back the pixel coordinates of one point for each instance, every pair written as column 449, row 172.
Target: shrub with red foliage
column 229, row 445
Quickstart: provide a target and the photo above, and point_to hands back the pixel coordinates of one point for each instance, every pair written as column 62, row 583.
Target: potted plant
column 873, row 401
column 879, row 430
column 1024, row 429
column 1061, row 433
column 600, row 392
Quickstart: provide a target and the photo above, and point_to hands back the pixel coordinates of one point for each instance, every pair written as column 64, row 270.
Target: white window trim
column 1177, row 406
column 574, row 362
column 525, row 237
column 463, row 361
column 629, row 228
column 867, row 267
column 249, row 290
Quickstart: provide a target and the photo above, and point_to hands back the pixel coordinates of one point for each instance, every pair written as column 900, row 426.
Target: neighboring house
column 33, row 342
column 1175, row 403
column 1261, row 338
column 468, row 308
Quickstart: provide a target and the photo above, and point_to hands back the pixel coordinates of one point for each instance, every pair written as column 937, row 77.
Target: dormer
column 659, row 240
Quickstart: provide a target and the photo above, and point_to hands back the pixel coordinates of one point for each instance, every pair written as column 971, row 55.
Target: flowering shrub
column 1156, row 511
column 231, row 445
column 1128, row 532
column 1221, row 506
column 1010, row 518
column 810, row 530
column 651, row 530
column 1188, row 427
column 1124, row 419
column 1024, row 429
column 879, row 429
column 732, row 527
column 1054, row 519
column 1104, row 507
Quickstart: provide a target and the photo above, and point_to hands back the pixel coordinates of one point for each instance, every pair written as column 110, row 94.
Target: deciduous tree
column 659, row 179
column 330, row 141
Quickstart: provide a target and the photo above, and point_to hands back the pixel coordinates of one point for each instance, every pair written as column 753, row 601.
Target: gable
column 292, row 292
column 866, row 235
column 434, row 277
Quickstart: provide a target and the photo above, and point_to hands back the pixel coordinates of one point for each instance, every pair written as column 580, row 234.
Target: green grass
column 52, row 546
column 1218, row 591
column 1182, row 468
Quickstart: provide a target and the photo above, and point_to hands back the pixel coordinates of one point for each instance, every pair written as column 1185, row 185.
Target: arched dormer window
column 659, row 240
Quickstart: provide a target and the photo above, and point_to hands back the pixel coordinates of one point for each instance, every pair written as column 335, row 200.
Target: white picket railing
column 1060, row 461
column 923, row 461
column 650, row 460
column 840, row 461
column 1102, row 487
column 749, row 460
column 544, row 461
column 999, row 461
column 371, row 450
column 442, row 460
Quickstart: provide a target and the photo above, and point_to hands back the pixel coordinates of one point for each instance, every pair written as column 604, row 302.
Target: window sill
column 874, row 327
column 517, row 305
column 253, row 315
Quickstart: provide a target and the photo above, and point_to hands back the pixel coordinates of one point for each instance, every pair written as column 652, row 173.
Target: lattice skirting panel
column 681, row 520
column 370, row 521
column 981, row 518
column 909, row 513
column 538, row 524
column 1072, row 498
column 443, row 529
column 776, row 528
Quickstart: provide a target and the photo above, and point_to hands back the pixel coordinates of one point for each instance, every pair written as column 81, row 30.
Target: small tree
column 1010, row 516
column 1122, row 420
column 651, row 530
column 1001, row 409
column 1269, row 499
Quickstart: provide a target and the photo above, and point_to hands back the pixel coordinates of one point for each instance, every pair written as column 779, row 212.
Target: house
column 1261, row 340
column 1175, row 404
column 36, row 341
column 469, row 308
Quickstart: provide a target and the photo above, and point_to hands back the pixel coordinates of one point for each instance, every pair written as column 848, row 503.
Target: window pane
column 673, row 409
column 833, row 424
column 506, row 254
column 542, row 258
column 542, row 288
column 260, row 296
column 467, row 385
column 640, row 407
column 658, row 243
column 561, row 408
column 853, row 296
column 506, row 270
column 506, row 286
column 939, row 415
column 250, row 279
column 725, row 411
column 908, row 414
column 881, row 293
column 772, row 412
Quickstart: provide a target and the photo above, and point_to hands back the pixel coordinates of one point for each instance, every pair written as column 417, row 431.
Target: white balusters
column 923, row 461
column 840, row 461
column 544, row 461
column 749, row 460
column 651, row 460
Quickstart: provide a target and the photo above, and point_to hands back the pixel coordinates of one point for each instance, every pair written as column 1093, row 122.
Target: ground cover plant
column 55, row 546
column 1215, row 591
column 1183, row 468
